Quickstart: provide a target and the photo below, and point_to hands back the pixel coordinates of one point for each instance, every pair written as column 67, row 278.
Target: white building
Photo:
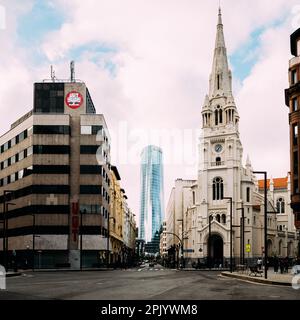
column 221, row 174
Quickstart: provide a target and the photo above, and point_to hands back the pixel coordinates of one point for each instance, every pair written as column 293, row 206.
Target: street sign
column 248, row 247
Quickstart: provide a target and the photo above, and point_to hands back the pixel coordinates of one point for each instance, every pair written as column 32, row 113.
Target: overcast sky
column 147, row 65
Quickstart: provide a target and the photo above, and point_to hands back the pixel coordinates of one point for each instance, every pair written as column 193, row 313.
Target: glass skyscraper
column 151, row 205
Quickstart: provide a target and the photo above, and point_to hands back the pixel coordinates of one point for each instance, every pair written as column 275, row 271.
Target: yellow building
column 116, row 217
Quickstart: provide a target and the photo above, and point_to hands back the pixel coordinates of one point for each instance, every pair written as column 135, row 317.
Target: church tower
column 220, row 153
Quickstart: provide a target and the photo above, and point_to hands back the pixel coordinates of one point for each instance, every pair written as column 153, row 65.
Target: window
column 294, row 76
column 96, row 129
column 89, row 149
column 90, row 189
column 49, row 98
column 294, row 104
column 20, row 174
column 13, row 141
column 218, row 81
column 86, row 129
column 218, row 188
column 280, row 205
column 194, row 197
column 223, row 218
column 295, row 133
column 295, row 162
column 29, row 131
column 218, row 161
column 51, row 169
column 29, row 151
column 254, row 220
column 216, row 117
column 38, row 129
column 13, row 159
column 248, row 194
column 51, row 149
column 296, row 188
column 218, row 218
column 21, row 155
column 90, row 208
column 86, row 169
column 91, row 129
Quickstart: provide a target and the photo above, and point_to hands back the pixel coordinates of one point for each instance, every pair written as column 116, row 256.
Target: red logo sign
column 74, row 99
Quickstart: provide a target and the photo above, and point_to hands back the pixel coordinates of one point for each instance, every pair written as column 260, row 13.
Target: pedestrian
column 276, row 264
column 259, row 263
column 281, row 265
column 286, row 264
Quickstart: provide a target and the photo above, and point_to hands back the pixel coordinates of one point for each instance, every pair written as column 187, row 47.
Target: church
column 221, row 213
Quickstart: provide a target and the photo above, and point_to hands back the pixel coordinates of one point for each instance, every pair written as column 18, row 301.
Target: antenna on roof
column 52, row 73
column 72, row 68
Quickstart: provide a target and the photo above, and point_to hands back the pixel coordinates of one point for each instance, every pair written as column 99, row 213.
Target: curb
column 65, row 270
column 15, row 274
column 258, row 280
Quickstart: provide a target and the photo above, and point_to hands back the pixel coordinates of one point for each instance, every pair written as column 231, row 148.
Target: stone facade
column 202, row 208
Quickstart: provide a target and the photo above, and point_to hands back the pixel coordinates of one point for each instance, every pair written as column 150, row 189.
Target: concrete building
column 292, row 99
column 282, row 238
column 163, row 240
column 129, row 235
column 201, row 208
column 55, row 174
column 116, row 218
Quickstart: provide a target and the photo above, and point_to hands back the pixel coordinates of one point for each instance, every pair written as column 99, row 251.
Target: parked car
column 151, row 264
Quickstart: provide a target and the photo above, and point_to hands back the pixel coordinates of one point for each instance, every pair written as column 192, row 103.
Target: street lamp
column 242, row 230
column 81, row 232
column 230, row 198
column 181, row 256
column 265, row 220
column 209, row 242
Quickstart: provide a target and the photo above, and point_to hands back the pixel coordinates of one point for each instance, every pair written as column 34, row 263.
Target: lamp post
column 181, row 255
column 209, row 242
column 81, row 232
column 230, row 198
column 242, row 230
column 265, row 221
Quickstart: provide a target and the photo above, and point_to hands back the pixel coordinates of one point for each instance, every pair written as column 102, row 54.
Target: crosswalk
column 146, row 269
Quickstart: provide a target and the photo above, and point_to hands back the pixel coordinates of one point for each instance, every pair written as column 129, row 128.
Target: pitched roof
column 279, row 183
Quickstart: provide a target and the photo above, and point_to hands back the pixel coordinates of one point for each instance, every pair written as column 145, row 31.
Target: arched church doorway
column 216, row 250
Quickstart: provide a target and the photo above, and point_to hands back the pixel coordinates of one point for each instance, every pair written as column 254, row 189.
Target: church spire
column 220, row 78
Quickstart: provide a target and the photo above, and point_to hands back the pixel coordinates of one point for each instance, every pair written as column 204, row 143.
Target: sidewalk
column 284, row 279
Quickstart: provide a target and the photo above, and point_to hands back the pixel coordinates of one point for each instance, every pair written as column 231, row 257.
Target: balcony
column 294, row 61
column 217, row 163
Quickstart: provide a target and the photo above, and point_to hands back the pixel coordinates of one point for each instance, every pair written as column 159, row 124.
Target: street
column 144, row 283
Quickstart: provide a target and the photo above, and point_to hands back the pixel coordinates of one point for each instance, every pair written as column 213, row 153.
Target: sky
column 147, row 64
